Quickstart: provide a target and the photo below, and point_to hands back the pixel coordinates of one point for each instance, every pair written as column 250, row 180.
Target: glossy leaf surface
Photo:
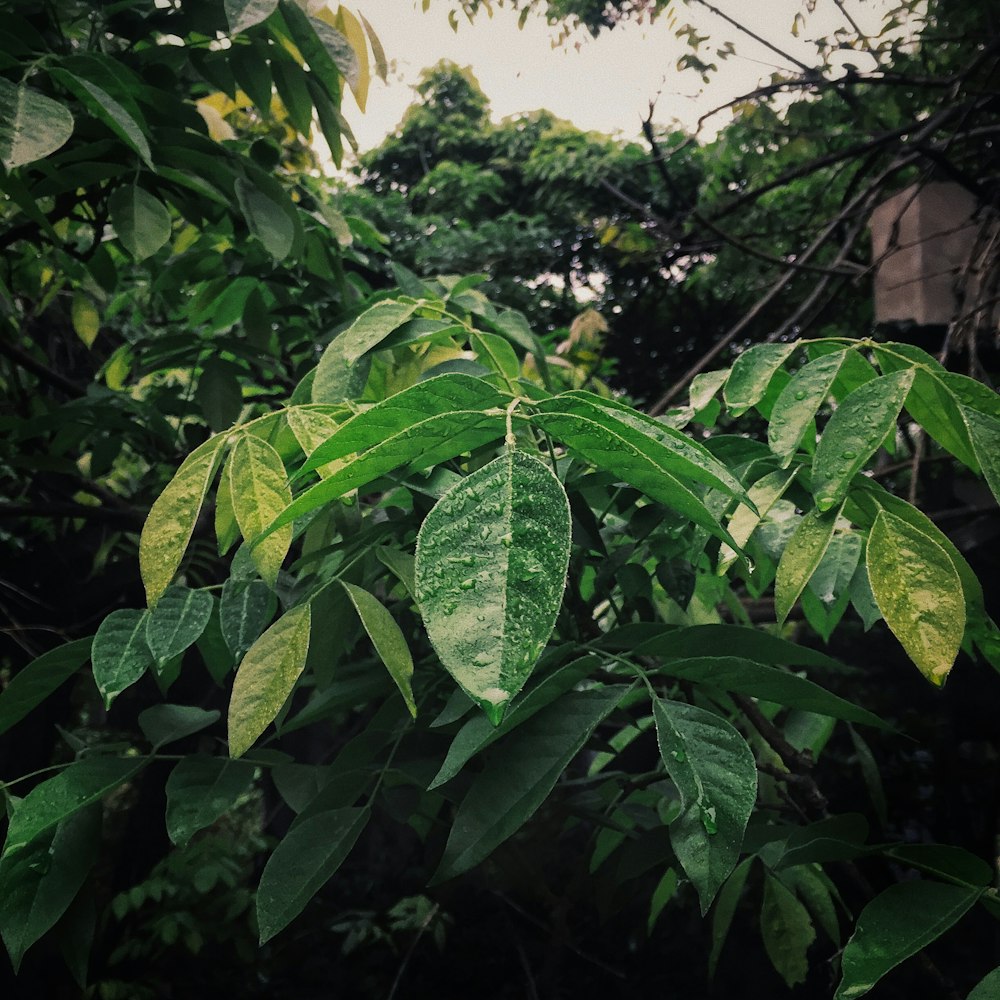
column 177, row 621
column 490, row 571
column 751, row 374
column 716, row 776
column 919, row 593
column 141, row 221
column 798, row 402
column 802, row 556
column 120, row 653
column 31, row 125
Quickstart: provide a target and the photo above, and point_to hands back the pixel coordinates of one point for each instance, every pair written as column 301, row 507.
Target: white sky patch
column 602, row 84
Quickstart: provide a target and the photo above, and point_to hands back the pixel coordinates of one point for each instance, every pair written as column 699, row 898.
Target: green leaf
column 798, row 402
column 38, row 884
column 725, row 909
column 335, row 375
column 984, row 431
column 402, row 565
column 802, row 555
column 752, row 373
column 163, row 724
column 716, row 775
column 227, row 531
column 662, row 895
column 243, row 14
column 303, row 863
column 387, row 639
column 737, row 673
column 201, row 789
column 519, row 775
column 171, row 520
column 787, row 931
column 245, row 608
column 268, row 220
column 266, row 678
column 31, row 685
column 72, row 789
column 120, row 654
column 764, row 494
column 895, row 925
column 490, row 569
column 919, row 593
column 680, row 455
column 31, row 125
column 107, row 110
column 259, row 489
column 339, row 50
column 988, row 988
column 219, row 395
column 417, row 427
column 85, row 318
column 612, row 445
column 856, row 429
column 141, row 221
column 177, row 621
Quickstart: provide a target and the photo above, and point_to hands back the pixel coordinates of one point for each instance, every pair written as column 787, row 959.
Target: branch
column 53, row 378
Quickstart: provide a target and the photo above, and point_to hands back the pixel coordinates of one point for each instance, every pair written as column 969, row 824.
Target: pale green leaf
column 763, row 494
column 227, row 531
column 856, row 429
column 177, row 621
column 141, row 221
column 304, row 861
column 919, row 593
column 120, row 654
column 491, row 566
column 31, row 125
column 716, row 776
column 171, row 520
column 267, row 220
column 705, row 386
column 339, row 50
column 335, row 375
column 38, row 884
column 85, row 318
column 798, row 402
column 107, row 110
column 787, row 931
column 802, row 555
column 243, row 14
column 163, row 724
column 259, row 490
column 245, row 609
column 201, row 789
column 266, row 678
column 381, row 63
column 31, row 685
column 984, row 431
column 72, row 789
column 519, row 775
column 387, row 639
column 895, row 925
column 751, row 375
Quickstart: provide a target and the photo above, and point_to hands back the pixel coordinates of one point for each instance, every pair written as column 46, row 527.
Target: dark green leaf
column 716, row 775
column 243, row 14
column 245, row 609
column 787, row 931
column 988, row 988
column 163, row 724
column 802, row 556
column 141, row 221
column 268, row 220
column 752, row 373
column 35, row 682
column 120, row 654
column 177, row 621
column 984, row 431
column 303, row 863
column 200, row 790
column 725, row 909
column 798, row 402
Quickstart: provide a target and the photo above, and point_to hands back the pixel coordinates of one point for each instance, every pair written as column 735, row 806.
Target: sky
column 604, row 84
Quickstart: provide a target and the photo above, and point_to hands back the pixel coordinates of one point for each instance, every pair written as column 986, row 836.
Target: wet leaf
column 895, row 925
column 259, row 490
column 120, row 654
column 31, row 685
column 141, row 221
column 387, row 639
column 171, row 520
column 245, row 609
column 716, row 776
column 177, row 621
column 751, row 375
column 984, row 431
column 764, row 494
column 490, row 570
column 856, row 429
column 919, row 593
column 266, row 678
column 798, row 402
column 802, row 556
column 303, row 863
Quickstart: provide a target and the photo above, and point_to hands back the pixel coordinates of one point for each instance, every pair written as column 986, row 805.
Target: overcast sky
column 604, row 84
